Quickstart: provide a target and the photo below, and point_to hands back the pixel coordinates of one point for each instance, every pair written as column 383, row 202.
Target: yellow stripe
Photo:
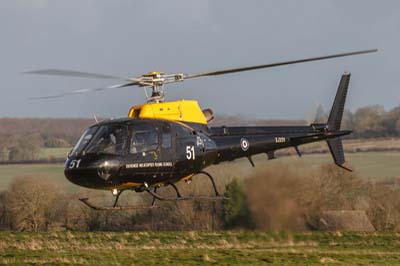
column 183, row 110
column 186, row 178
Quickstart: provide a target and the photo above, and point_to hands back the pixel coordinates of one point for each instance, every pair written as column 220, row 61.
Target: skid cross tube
column 153, row 203
column 156, row 196
column 212, row 182
column 217, row 196
column 117, row 198
column 176, row 189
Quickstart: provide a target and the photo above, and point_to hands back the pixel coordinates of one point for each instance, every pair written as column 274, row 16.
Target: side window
column 182, row 131
column 144, row 139
column 166, row 137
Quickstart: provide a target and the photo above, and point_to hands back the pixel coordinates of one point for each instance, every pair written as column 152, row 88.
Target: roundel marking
column 244, row 144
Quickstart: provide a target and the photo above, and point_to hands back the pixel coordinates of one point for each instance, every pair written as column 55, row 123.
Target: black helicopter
column 161, row 143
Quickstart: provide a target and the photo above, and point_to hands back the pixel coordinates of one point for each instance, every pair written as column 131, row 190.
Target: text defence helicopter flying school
column 161, row 143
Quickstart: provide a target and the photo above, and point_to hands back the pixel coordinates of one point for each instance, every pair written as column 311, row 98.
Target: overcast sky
column 130, row 38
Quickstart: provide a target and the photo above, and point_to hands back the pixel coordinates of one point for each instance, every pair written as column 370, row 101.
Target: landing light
column 114, row 192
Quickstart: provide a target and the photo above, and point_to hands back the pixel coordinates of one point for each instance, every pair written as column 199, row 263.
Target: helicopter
column 161, row 143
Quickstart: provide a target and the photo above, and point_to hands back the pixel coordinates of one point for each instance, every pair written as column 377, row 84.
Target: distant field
column 367, row 164
column 58, row 153
column 199, row 248
column 49, row 171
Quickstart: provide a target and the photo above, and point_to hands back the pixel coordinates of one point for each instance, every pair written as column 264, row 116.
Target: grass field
column 58, row 153
column 49, row 171
column 206, row 248
column 199, row 248
column 367, row 164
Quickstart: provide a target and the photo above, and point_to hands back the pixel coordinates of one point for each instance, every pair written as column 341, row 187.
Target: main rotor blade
column 86, row 91
column 234, row 70
column 70, row 73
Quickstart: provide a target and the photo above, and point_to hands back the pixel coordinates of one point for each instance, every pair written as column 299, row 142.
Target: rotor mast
column 156, row 80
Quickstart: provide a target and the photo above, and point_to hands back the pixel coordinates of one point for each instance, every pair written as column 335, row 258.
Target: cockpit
column 131, row 149
column 108, row 139
column 121, row 138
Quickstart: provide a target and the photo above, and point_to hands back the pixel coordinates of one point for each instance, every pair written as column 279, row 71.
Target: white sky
column 130, row 38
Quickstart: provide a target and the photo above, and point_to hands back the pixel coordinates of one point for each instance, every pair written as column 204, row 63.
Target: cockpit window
column 84, row 140
column 182, row 131
column 109, row 139
column 144, row 141
column 166, row 137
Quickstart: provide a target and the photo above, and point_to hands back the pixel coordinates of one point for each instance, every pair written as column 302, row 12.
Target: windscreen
column 109, row 139
column 84, row 140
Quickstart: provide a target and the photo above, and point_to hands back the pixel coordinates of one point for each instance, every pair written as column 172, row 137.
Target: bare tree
column 369, row 121
column 33, row 203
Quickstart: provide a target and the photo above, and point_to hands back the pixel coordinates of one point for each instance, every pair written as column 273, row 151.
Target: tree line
column 22, row 139
column 368, row 122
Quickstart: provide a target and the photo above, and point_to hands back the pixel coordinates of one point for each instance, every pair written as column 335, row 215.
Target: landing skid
column 179, row 197
column 161, row 198
column 156, row 196
column 115, row 208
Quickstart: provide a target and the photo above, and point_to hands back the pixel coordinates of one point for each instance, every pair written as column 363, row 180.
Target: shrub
column 235, row 208
column 33, row 204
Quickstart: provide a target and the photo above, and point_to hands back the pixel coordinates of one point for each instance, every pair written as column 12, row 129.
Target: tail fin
column 336, row 114
column 336, row 149
column 335, row 120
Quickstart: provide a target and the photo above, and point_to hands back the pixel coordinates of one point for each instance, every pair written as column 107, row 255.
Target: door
column 167, row 150
column 143, row 152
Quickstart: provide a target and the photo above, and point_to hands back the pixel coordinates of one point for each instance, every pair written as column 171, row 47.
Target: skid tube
column 115, row 207
column 218, row 196
column 156, row 196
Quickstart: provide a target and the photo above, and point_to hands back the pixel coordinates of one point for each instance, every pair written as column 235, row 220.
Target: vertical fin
column 336, row 149
column 334, row 121
column 336, row 114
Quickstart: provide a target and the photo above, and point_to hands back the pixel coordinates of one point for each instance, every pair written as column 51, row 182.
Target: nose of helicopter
column 98, row 174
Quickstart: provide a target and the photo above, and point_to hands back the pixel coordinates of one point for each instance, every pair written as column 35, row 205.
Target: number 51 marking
column 190, row 153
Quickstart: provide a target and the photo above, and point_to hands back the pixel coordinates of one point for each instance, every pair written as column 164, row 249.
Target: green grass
column 199, row 248
column 368, row 164
column 53, row 172
column 58, row 153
